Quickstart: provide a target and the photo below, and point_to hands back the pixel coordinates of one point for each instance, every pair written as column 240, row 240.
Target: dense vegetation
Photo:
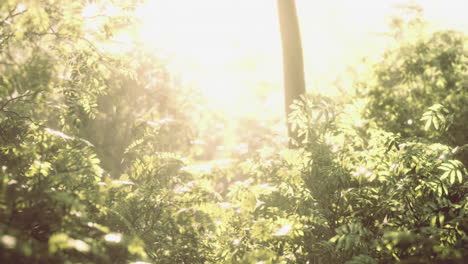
column 97, row 158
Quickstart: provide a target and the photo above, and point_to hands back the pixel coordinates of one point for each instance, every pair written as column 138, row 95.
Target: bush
column 96, row 168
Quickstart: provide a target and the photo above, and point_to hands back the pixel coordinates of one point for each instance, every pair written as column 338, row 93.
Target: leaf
column 427, row 126
column 437, row 117
column 441, row 218
column 445, row 175
column 460, row 176
column 348, row 242
column 334, row 239
column 436, row 123
column 452, row 177
column 434, row 221
column 445, row 167
column 444, row 187
column 452, row 170
column 389, row 147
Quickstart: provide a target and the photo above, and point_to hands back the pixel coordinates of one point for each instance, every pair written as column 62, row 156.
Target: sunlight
column 209, row 30
column 211, row 41
column 113, row 237
column 229, row 48
column 90, row 14
column 226, row 47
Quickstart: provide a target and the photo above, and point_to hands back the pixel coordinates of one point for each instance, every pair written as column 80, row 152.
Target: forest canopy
column 107, row 156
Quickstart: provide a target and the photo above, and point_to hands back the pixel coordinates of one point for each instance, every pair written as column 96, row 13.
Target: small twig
column 2, row 108
column 5, row 39
column 412, row 209
column 97, row 16
column 20, row 116
column 12, row 15
column 6, row 63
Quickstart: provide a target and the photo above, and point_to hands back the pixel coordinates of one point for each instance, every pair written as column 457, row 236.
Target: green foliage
column 362, row 189
column 436, row 118
column 96, row 165
column 420, row 89
column 60, row 98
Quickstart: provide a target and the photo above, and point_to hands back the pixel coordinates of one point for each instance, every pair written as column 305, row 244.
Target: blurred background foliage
column 108, row 157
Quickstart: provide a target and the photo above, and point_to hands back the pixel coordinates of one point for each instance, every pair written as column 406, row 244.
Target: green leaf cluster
column 96, row 158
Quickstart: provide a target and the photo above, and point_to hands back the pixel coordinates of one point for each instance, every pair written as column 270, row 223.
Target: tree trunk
column 293, row 64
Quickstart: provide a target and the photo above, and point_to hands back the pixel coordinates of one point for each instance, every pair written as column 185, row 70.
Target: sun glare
column 231, row 49
column 215, row 45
